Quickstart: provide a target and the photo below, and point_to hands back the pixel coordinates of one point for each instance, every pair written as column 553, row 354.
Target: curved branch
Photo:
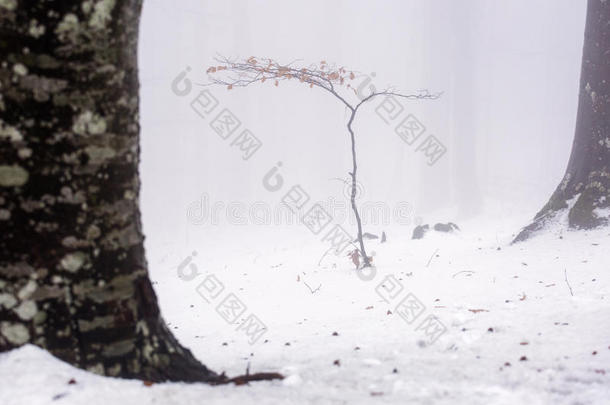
column 424, row 95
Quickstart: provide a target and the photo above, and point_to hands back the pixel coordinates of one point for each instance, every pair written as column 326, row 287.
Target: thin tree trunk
column 585, row 188
column 365, row 258
column 73, row 274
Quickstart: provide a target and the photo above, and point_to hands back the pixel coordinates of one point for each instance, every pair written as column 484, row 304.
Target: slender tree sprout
column 334, row 80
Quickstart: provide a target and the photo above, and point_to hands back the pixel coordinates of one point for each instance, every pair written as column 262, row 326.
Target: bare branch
column 422, row 95
column 233, row 73
column 333, row 79
column 236, row 73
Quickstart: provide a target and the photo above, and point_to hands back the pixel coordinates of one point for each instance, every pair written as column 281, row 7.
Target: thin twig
column 565, row 274
column 429, row 260
column 312, row 291
column 323, row 256
column 464, row 271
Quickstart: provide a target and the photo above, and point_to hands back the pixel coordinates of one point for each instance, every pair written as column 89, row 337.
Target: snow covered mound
column 518, row 324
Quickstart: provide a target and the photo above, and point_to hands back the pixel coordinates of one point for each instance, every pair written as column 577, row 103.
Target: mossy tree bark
column 585, row 188
column 73, row 274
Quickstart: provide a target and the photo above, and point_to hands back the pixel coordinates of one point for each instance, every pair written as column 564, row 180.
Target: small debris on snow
column 476, row 311
column 59, row 396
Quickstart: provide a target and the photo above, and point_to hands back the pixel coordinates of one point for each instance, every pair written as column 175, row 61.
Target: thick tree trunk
column 73, row 275
column 585, row 188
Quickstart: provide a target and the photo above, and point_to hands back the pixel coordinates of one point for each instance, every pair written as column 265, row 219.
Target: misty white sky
column 509, row 70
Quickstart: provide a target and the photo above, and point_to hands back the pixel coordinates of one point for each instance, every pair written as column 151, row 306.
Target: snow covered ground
column 516, row 331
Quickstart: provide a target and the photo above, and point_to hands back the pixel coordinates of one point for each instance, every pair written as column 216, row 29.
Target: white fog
column 472, row 117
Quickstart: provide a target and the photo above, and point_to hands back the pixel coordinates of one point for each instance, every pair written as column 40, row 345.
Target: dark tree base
column 587, row 177
column 171, row 362
column 581, row 214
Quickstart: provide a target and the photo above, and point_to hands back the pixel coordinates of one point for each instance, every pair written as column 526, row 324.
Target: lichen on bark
column 73, row 274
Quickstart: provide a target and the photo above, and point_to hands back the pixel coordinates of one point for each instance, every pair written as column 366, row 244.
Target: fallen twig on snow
column 429, row 260
column 310, row 289
column 323, row 256
column 246, row 378
column 464, row 271
column 475, row 311
column 565, row 273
